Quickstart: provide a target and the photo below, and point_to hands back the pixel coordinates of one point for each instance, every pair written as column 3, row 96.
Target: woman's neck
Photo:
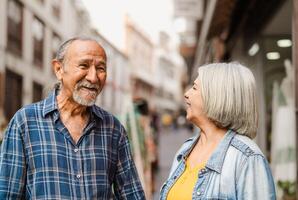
column 210, row 133
column 209, row 139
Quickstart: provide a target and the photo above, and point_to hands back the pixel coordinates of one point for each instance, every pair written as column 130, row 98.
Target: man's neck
column 74, row 116
column 68, row 107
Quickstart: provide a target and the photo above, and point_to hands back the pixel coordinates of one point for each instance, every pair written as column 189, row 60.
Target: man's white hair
column 229, row 96
column 61, row 52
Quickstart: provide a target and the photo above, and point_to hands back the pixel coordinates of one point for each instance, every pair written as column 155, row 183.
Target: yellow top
column 183, row 188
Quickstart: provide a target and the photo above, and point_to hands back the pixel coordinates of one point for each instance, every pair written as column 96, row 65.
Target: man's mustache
column 85, row 83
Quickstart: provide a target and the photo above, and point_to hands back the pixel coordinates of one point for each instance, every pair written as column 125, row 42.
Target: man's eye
column 83, row 65
column 101, row 68
column 193, row 87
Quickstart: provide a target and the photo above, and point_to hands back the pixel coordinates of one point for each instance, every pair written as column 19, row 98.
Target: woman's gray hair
column 229, row 96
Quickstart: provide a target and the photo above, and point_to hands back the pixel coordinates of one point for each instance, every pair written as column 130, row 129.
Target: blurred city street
column 169, row 142
column 154, row 49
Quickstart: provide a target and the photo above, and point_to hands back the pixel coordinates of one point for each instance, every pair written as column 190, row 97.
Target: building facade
column 171, row 75
column 140, row 51
column 30, row 34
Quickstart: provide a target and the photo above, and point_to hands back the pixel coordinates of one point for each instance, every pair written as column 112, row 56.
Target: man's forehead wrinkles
column 91, row 60
column 81, row 48
column 88, row 58
column 85, row 59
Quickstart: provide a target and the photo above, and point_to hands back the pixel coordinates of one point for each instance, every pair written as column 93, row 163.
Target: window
column 40, row 1
column 56, row 8
column 168, row 68
column 13, row 93
column 37, row 92
column 55, row 44
column 38, row 35
column 14, row 27
column 1, row 89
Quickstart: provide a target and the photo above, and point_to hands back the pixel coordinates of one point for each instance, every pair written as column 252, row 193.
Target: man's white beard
column 82, row 101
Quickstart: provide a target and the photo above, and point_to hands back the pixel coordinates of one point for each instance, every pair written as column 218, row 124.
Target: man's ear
column 58, row 68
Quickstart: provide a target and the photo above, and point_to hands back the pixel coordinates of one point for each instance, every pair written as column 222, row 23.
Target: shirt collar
column 50, row 105
column 216, row 160
column 188, row 146
column 97, row 111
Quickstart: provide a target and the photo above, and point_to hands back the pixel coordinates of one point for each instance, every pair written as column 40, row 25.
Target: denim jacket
column 237, row 169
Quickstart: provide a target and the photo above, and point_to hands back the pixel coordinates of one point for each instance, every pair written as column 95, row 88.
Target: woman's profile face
column 194, row 103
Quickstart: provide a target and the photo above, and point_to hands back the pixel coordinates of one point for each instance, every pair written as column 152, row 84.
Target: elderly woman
column 222, row 161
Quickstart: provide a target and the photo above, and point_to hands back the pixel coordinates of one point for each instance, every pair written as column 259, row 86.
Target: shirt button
column 76, row 150
column 78, row 176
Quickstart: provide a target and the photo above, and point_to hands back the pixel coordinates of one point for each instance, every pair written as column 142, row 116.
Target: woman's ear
column 58, row 69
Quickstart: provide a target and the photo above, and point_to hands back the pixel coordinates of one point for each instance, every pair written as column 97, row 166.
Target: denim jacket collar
column 216, row 160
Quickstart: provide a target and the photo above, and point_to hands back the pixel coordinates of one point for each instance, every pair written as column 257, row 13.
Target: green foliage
column 288, row 187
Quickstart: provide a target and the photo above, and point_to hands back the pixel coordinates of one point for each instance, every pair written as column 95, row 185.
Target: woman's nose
column 185, row 95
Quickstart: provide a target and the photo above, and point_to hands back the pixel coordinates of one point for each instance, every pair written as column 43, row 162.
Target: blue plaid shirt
column 40, row 160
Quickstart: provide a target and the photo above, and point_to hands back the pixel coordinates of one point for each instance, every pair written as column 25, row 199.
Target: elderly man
column 65, row 147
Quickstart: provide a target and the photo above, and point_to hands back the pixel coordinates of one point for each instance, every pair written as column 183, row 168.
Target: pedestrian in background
column 222, row 161
column 66, row 147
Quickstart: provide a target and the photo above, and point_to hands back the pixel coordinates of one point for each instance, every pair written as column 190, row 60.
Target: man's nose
column 92, row 75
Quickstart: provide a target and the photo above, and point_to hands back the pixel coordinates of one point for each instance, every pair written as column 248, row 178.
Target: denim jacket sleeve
column 255, row 179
